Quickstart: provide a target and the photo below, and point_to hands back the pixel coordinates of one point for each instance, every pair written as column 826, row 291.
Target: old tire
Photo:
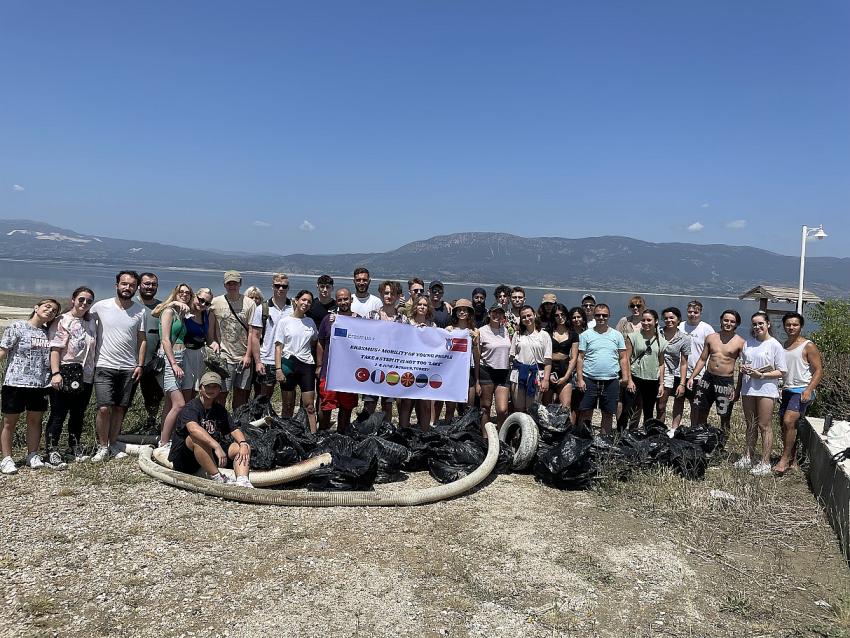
column 520, row 432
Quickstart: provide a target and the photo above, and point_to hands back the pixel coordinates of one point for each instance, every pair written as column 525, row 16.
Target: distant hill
column 598, row 263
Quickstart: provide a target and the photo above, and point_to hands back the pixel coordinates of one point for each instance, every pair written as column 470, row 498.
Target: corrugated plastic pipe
column 326, row 499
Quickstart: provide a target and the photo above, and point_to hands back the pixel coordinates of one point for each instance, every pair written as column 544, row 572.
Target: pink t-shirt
column 75, row 339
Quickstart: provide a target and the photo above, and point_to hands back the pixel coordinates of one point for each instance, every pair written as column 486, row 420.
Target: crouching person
column 201, row 428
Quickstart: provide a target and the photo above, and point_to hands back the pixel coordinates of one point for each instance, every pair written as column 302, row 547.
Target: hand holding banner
column 398, row 360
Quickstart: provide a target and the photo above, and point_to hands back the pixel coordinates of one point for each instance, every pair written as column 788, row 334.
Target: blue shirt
column 601, row 353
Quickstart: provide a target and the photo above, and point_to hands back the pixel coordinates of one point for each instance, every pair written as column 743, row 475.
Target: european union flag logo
column 340, row 332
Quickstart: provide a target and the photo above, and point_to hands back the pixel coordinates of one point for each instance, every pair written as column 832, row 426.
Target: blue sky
column 350, row 127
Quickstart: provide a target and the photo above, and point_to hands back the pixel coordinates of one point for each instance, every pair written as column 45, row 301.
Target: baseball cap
column 210, row 378
column 589, row 296
column 496, row 307
column 232, row 275
column 550, row 298
column 436, row 284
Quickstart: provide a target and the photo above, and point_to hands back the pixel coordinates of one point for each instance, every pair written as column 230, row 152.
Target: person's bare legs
column 33, row 431
column 240, row 397
column 424, row 409
column 405, row 409
column 309, row 403
column 788, row 460
column 8, row 433
column 102, row 422
column 751, row 421
column 661, row 405
column 287, row 402
column 170, row 419
column 521, row 400
column 116, row 421
column 565, row 395
column 678, row 411
column 764, row 416
column 487, row 391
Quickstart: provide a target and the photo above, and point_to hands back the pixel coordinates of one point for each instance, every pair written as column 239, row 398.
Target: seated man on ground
column 201, row 429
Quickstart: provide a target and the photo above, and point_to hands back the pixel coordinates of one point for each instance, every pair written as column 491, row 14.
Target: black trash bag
column 470, row 421
column 256, row 408
column 568, row 465
column 420, row 446
column 648, row 449
column 344, row 473
column 612, row 457
column 505, row 463
column 553, row 421
column 654, row 426
column 688, row 459
column 372, row 424
column 390, row 456
column 708, row 437
column 455, row 459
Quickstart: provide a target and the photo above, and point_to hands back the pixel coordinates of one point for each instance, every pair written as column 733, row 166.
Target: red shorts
column 331, row 399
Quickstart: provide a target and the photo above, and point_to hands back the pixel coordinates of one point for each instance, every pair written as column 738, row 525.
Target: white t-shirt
column 362, row 307
column 297, row 336
column 532, row 348
column 117, row 333
column 758, row 354
column 275, row 315
column 698, row 334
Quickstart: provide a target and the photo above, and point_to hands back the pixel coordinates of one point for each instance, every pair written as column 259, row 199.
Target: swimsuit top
column 564, row 347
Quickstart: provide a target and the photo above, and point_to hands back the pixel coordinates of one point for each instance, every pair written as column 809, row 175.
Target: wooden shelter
column 766, row 293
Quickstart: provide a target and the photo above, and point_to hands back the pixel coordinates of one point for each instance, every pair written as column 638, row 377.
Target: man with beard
column 442, row 310
column 479, row 307
column 149, row 383
column 363, row 303
column 517, row 302
column 121, row 346
column 330, row 399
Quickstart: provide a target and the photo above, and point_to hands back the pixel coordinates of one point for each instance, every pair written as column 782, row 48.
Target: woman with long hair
column 675, row 366
column 762, row 366
column 200, row 332
column 462, row 318
column 27, row 347
column 73, row 344
column 578, row 324
column 645, row 350
column 421, row 316
column 295, row 365
column 564, row 357
column 545, row 312
column 531, row 352
column 172, row 334
column 495, row 344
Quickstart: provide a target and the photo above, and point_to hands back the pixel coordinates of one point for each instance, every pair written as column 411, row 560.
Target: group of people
column 520, row 355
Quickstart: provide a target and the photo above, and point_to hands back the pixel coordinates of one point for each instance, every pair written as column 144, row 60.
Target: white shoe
column 55, row 460
column 80, row 454
column 242, row 481
column 221, row 478
column 164, row 446
column 101, row 455
column 34, row 461
column 762, row 469
column 743, row 463
column 117, row 450
column 7, row 466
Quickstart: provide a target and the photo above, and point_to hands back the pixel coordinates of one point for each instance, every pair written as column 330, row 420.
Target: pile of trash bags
column 372, row 451
column 572, row 457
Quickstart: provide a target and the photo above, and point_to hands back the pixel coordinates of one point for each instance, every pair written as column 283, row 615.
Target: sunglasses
column 85, row 301
column 281, row 286
column 635, row 305
column 648, row 346
column 600, row 316
column 203, row 302
column 417, row 291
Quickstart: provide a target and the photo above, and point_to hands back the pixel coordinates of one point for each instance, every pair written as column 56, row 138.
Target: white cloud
column 695, row 227
column 259, row 223
column 17, row 188
column 705, row 205
column 307, row 226
column 737, row 223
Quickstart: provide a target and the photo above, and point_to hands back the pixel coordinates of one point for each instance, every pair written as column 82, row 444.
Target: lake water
column 59, row 280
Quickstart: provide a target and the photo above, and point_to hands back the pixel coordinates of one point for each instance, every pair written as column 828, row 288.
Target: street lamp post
column 818, row 234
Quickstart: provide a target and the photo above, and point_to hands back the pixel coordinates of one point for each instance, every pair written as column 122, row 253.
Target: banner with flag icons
column 392, row 359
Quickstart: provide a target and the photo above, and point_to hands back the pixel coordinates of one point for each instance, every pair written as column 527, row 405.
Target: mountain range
column 593, row 263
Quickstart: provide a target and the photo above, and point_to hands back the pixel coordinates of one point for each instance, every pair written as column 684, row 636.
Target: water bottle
column 827, row 423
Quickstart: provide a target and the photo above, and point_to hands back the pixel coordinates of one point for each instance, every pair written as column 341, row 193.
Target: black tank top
column 441, row 316
column 564, row 347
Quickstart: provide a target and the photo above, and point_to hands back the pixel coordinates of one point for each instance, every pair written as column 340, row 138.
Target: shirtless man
column 718, row 357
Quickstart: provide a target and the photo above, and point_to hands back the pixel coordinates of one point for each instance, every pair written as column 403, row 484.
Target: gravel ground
column 101, row 550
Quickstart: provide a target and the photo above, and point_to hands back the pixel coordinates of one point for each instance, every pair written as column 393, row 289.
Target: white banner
column 398, row 360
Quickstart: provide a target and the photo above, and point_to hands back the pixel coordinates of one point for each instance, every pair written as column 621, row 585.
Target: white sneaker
column 117, row 451
column 54, row 458
column 80, row 454
column 164, row 446
column 743, row 463
column 221, row 478
column 7, row 466
column 242, row 481
column 762, row 469
column 101, row 455
column 34, row 460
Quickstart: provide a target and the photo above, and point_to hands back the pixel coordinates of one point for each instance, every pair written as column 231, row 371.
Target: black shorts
column 303, row 376
column 113, row 387
column 715, row 390
column 182, row 457
column 602, row 392
column 16, row 400
column 494, row 376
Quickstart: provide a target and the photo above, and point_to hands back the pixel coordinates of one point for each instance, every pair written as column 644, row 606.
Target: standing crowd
column 520, row 355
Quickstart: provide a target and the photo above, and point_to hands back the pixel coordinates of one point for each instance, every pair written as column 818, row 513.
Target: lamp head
column 820, row 234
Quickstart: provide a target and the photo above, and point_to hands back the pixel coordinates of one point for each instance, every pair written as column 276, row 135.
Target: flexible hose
column 327, row 499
